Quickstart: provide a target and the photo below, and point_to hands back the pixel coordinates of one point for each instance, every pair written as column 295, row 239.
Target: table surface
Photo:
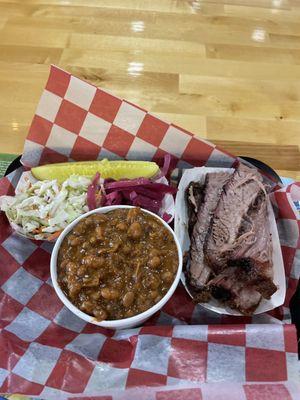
column 227, row 70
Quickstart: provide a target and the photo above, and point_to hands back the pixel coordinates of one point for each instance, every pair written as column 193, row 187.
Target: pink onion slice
column 165, row 169
column 91, row 192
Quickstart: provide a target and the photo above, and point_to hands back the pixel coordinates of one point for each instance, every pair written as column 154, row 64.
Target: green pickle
column 108, row 169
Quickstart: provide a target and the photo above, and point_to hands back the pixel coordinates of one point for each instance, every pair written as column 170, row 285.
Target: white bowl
column 119, row 323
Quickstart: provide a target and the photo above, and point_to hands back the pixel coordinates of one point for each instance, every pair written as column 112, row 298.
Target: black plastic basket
column 295, row 300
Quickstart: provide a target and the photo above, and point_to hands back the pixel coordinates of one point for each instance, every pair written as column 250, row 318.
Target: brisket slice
column 227, row 288
column 199, row 271
column 194, row 198
column 249, row 274
column 247, row 246
column 252, row 256
column 239, row 193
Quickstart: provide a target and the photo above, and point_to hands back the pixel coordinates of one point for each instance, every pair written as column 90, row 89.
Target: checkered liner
column 47, row 351
column 187, row 391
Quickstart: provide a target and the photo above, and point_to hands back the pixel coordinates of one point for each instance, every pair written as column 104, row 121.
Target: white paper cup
column 120, row 323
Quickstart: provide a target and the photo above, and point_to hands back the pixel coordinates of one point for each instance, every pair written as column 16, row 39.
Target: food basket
column 183, row 351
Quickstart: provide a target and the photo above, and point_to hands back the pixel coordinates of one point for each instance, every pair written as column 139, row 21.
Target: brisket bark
column 227, row 288
column 194, row 197
column 199, row 271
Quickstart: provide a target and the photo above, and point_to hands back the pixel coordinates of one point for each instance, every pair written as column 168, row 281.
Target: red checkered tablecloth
column 47, row 351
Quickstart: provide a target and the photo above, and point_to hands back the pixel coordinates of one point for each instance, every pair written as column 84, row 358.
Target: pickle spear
column 108, row 169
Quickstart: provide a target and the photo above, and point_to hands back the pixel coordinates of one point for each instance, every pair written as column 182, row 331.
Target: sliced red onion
column 140, row 192
column 161, row 187
column 124, row 184
column 133, row 196
column 152, row 194
column 166, row 217
column 165, row 169
column 145, row 202
column 91, row 197
column 91, row 192
column 114, row 198
column 95, row 180
column 153, row 186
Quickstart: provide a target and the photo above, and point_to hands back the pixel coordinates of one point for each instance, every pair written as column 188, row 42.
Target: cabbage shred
column 46, row 207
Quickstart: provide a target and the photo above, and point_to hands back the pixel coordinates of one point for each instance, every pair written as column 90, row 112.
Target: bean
column 89, row 221
column 81, row 270
column 175, row 266
column 129, row 313
column 154, row 252
column 100, row 218
column 122, row 226
column 164, row 289
column 74, row 288
column 109, row 307
column 87, row 260
column 86, row 245
column 110, row 293
column 95, row 295
column 64, row 263
column 142, row 307
column 119, row 314
column 118, row 283
column 145, row 305
column 157, row 299
column 79, row 228
column 128, row 299
column 132, row 214
column 135, row 230
column 99, row 232
column 154, row 282
column 155, row 262
column 87, row 306
column 71, row 267
column 153, row 294
column 93, row 240
column 167, row 276
column 100, row 314
column 97, row 262
column 139, row 300
column 153, row 224
column 90, row 281
column 74, row 240
column 126, row 249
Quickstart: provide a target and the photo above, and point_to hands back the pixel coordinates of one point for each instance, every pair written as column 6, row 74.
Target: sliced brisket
column 199, row 271
column 252, row 256
column 238, row 195
column 194, row 198
column 231, row 244
column 227, row 288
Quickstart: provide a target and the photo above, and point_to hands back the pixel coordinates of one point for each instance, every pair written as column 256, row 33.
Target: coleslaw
column 44, row 208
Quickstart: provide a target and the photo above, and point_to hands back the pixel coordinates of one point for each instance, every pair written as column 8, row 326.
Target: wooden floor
column 228, row 70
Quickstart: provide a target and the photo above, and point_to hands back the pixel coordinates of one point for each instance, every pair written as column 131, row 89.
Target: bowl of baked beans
column 116, row 266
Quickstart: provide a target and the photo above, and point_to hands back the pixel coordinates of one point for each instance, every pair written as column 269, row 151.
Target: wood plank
column 276, row 156
column 25, row 36
column 253, row 54
column 276, row 131
column 227, row 70
column 30, row 54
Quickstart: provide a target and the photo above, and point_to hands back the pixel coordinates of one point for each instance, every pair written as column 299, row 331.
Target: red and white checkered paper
column 47, row 351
